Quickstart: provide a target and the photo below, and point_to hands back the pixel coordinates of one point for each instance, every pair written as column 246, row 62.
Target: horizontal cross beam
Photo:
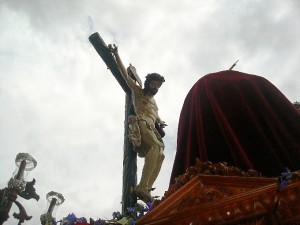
column 108, row 59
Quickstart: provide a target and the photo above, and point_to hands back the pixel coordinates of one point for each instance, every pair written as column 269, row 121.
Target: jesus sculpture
column 145, row 127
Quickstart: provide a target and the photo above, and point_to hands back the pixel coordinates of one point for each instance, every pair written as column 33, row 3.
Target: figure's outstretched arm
column 129, row 80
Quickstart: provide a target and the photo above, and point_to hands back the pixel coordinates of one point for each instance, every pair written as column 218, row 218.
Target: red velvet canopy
column 240, row 119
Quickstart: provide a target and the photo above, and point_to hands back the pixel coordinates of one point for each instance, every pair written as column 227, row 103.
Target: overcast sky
column 60, row 104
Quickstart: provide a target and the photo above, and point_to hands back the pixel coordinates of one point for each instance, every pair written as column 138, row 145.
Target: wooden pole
column 129, row 162
column 130, row 156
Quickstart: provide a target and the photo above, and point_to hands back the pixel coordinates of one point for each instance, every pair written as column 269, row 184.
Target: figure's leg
column 159, row 160
column 152, row 165
column 147, row 170
column 142, row 190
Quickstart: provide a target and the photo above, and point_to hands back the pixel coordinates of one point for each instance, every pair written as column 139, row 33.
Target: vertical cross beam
column 129, row 156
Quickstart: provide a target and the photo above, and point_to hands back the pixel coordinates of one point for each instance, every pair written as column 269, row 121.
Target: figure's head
column 152, row 83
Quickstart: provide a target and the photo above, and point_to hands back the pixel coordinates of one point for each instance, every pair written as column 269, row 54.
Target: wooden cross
column 130, row 156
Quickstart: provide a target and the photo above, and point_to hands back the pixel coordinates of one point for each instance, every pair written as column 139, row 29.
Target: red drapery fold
column 240, row 119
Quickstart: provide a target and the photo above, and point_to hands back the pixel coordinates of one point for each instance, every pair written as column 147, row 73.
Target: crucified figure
column 150, row 145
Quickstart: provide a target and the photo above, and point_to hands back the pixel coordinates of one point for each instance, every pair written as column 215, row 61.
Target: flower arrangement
column 131, row 215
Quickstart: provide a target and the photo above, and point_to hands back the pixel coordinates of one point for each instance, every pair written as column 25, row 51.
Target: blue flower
column 54, row 221
column 285, row 177
column 99, row 222
column 282, row 184
column 149, row 205
column 130, row 209
column 81, row 220
column 69, row 220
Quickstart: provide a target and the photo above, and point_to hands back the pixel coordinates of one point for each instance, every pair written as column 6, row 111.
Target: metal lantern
column 54, row 201
column 17, row 185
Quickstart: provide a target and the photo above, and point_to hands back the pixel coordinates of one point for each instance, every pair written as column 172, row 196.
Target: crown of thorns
column 154, row 76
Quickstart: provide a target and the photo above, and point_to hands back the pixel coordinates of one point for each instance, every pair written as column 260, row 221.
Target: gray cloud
column 61, row 104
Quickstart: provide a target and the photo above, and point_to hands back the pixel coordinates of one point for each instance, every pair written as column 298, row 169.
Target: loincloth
column 134, row 134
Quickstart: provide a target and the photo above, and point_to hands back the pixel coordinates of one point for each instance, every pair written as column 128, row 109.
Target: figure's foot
column 143, row 194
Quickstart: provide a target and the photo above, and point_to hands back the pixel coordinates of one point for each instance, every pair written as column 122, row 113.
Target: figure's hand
column 163, row 124
column 113, row 49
